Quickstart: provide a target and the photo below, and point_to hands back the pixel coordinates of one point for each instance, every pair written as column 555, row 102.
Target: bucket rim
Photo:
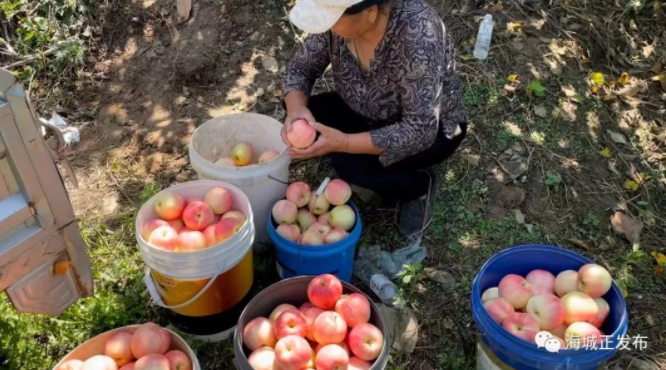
column 354, row 234
column 214, row 183
column 481, row 316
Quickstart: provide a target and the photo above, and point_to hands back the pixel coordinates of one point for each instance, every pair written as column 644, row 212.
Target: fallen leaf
column 617, row 137
column 514, row 27
column 627, row 226
column 624, row 78
column 660, row 258
column 541, row 111
column 612, row 167
column 512, row 78
column 536, row 88
column 466, row 57
column 579, row 243
column 631, row 185
column 520, row 217
column 498, row 7
column 662, row 79
column 597, row 78
column 648, row 50
column 605, row 152
column 594, row 90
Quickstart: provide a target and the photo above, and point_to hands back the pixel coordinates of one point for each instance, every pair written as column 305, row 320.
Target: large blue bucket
column 520, row 354
column 294, row 259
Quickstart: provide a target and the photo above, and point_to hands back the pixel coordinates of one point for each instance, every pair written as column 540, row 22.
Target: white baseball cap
column 317, row 16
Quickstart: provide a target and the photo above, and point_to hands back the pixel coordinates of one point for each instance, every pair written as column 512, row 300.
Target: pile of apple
column 305, row 218
column 568, row 306
column 330, row 332
column 243, row 155
column 193, row 223
column 146, row 349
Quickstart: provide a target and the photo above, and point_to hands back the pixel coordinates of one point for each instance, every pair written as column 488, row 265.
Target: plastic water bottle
column 384, row 288
column 484, row 37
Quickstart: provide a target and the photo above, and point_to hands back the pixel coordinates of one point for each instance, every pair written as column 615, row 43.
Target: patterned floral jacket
column 412, row 80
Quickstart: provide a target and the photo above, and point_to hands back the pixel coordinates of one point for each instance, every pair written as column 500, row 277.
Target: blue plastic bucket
column 520, row 354
column 294, row 259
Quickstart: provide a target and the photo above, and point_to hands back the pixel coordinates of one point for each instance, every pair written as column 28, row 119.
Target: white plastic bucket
column 264, row 184
column 207, row 286
column 95, row 346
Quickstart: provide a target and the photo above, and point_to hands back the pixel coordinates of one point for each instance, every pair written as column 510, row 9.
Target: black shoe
column 416, row 215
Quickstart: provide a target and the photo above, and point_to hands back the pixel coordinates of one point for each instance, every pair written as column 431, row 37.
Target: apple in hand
column 499, row 309
column 324, row 291
column 242, row 154
column 579, row 307
column 604, row 310
column 329, row 328
column 354, row 309
column 290, row 322
column 594, row 280
column 366, row 341
column 547, row 309
column 178, row 360
column 522, row 325
column 299, row 193
column 337, row 192
column 289, row 232
column 263, row 359
column 516, row 290
column 566, row 282
column 332, row 357
column 118, row 348
column 542, row 281
column 301, row 134
column 259, row 333
column 169, row 206
column 292, row 353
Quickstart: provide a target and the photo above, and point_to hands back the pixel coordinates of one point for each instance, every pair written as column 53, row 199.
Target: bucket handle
column 157, row 299
column 278, row 180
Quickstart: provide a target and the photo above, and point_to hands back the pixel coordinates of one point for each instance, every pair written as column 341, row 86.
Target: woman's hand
column 296, row 103
column 330, row 140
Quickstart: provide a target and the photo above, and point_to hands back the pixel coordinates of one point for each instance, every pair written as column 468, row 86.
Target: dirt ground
column 535, row 169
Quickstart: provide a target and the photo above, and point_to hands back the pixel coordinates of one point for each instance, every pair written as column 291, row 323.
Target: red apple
column 150, row 226
column 337, row 192
column 263, row 359
column 118, row 348
column 322, row 229
column 318, row 205
column 499, row 309
column 164, row 237
column 129, row 366
column 226, row 161
column 332, row 357
column 325, row 219
column 100, row 362
column 238, row 215
column 219, row 199
column 301, row 134
column 311, row 237
column 522, row 325
column 305, row 306
column 343, row 217
column 267, row 156
column 191, row 241
column 489, row 294
column 226, row 228
column 559, row 331
column 356, row 363
column 541, row 281
column 547, row 309
column 366, row 341
column 292, row 353
column 354, row 309
column 566, row 282
column 285, row 212
column 259, row 333
column 594, row 280
column 209, row 234
column 335, row 236
column 148, row 339
column 289, row 232
column 324, row 291
column 585, row 333
column 280, row 309
column 71, row 365
column 310, row 315
column 290, row 322
column 329, row 328
column 176, row 224
column 305, row 219
column 178, row 360
column 579, row 307
column 516, row 290
column 242, row 154
column 602, row 314
column 152, row 362
column 197, row 216
column 168, row 205
column 343, row 345
column 299, row 193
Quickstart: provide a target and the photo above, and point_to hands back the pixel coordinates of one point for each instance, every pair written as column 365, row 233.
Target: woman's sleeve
column 308, row 63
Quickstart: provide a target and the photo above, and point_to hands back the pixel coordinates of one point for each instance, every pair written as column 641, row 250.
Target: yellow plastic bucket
column 205, row 290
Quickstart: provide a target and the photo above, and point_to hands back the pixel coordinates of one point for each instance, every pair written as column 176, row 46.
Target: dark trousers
column 404, row 180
